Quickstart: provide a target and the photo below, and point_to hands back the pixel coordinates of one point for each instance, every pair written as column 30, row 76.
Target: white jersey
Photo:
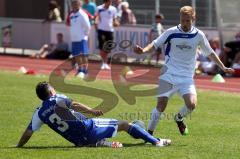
column 181, row 49
column 106, row 17
column 79, row 26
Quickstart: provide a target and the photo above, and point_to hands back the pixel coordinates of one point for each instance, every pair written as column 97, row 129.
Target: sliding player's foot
column 163, row 142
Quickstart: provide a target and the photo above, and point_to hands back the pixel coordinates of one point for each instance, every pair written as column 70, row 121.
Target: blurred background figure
column 231, row 51
column 91, row 8
column 78, row 21
column 106, row 20
column 205, row 65
column 127, row 16
column 6, row 36
column 156, row 30
column 53, row 12
column 118, row 5
column 54, row 51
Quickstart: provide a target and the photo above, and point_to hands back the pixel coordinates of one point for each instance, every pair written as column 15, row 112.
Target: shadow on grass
column 75, row 147
column 40, row 147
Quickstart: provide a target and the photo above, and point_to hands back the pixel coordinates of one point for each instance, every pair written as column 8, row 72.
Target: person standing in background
column 106, row 20
column 54, row 12
column 156, row 30
column 91, row 8
column 127, row 16
column 79, row 30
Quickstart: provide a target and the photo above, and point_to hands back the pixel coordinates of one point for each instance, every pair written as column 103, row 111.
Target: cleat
column 181, row 126
column 163, row 142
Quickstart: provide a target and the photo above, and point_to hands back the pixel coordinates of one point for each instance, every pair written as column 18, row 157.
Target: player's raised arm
column 85, row 109
column 25, row 137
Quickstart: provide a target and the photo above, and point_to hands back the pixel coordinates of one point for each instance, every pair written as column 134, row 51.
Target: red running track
column 142, row 74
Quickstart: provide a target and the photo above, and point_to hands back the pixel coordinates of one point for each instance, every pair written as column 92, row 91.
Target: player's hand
column 138, row 49
column 228, row 70
column 116, row 23
column 97, row 112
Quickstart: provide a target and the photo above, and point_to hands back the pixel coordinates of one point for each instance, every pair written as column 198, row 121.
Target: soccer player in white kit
column 181, row 43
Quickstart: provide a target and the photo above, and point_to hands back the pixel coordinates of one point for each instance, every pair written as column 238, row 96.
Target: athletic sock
column 155, row 116
column 84, row 70
column 80, row 69
column 137, row 132
column 183, row 112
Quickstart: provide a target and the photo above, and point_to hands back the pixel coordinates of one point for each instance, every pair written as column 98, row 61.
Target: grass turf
column 214, row 126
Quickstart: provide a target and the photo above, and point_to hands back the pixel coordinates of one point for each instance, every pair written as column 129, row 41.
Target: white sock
column 184, row 111
column 155, row 116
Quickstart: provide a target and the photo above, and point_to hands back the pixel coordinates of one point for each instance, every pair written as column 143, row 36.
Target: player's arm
column 79, row 107
column 116, row 23
column 86, row 24
column 139, row 50
column 208, row 51
column 216, row 59
column 157, row 43
column 96, row 19
column 68, row 21
column 34, row 125
column 25, row 137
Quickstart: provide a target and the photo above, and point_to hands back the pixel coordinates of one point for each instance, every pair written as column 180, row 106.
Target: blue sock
column 79, row 70
column 84, row 70
column 137, row 132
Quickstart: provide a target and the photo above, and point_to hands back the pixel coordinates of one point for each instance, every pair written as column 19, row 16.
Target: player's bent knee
column 192, row 105
column 123, row 125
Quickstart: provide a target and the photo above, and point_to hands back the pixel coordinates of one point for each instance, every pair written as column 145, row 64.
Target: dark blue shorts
column 80, row 48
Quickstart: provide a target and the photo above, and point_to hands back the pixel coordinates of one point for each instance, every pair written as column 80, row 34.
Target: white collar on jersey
column 180, row 29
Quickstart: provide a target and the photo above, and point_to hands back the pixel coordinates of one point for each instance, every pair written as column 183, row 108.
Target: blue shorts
column 102, row 128
column 80, row 48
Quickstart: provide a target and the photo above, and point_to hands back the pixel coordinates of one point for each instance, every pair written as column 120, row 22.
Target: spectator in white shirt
column 106, row 20
column 79, row 30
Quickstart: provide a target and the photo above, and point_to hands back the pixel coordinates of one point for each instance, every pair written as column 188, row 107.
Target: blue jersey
column 56, row 112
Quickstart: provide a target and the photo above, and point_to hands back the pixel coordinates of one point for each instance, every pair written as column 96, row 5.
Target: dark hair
column 104, row 1
column 53, row 4
column 60, row 34
column 43, row 90
column 160, row 16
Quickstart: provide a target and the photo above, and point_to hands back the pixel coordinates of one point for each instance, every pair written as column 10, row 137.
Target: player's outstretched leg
column 157, row 114
column 137, row 132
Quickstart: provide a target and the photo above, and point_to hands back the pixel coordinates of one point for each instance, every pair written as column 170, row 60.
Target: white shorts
column 170, row 84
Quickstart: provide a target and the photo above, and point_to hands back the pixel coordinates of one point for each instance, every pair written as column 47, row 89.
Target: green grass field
column 214, row 126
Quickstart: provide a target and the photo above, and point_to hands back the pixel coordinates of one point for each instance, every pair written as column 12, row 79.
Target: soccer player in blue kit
column 63, row 116
column 176, row 76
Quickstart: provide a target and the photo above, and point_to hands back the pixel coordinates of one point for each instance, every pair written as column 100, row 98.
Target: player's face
column 76, row 6
column 52, row 91
column 186, row 22
column 108, row 3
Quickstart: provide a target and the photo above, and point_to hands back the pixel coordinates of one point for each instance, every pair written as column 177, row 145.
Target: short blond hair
column 188, row 10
